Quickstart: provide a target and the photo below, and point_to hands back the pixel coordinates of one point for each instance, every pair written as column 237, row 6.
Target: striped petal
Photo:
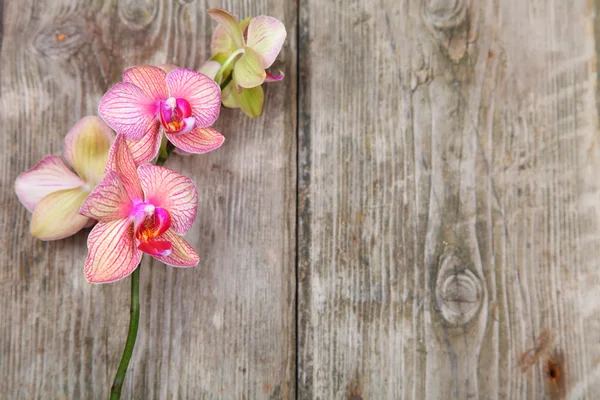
column 129, row 111
column 230, row 24
column 203, row 94
column 150, row 79
column 56, row 217
column 266, row 36
column 48, row 176
column 172, row 191
column 182, row 254
column 86, row 148
column 121, row 161
column 249, row 71
column 198, row 141
column 146, row 148
column 112, row 252
column 108, row 201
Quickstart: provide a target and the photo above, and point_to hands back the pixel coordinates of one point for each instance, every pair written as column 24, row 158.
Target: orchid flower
column 257, row 42
column 54, row 193
column 139, row 210
column 184, row 103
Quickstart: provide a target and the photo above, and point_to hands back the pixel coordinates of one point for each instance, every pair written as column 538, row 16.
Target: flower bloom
column 258, row 41
column 139, row 210
column 53, row 193
column 183, row 103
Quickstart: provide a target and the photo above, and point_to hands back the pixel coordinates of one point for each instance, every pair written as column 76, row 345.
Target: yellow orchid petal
column 56, row 217
column 86, row 148
column 248, row 71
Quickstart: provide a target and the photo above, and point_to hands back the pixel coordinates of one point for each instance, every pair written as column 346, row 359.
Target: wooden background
column 414, row 216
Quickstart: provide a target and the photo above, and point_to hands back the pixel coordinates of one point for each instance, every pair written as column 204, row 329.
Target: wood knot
column 458, row 291
column 137, row 14
column 445, row 14
column 63, row 39
column 449, row 22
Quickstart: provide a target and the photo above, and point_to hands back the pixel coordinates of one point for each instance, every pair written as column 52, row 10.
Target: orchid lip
column 152, row 226
column 176, row 115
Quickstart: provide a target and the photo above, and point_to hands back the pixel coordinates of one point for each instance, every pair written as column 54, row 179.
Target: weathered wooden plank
column 222, row 330
column 448, row 200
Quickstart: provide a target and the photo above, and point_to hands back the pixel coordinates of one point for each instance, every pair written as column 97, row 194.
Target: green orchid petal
column 230, row 24
column 250, row 100
column 248, row 71
column 227, row 97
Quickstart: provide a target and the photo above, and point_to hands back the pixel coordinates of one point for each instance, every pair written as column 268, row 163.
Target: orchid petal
column 202, row 93
column 244, row 27
column 156, row 248
column 248, row 71
column 266, row 36
column 150, row 79
column 121, row 161
column 146, row 148
column 172, row 191
column 210, row 68
column 182, row 255
column 129, row 111
column 112, row 252
column 198, row 141
column 55, row 216
column 230, row 24
column 108, row 201
column 167, row 68
column 48, row 176
column 86, row 148
column 250, row 100
column 221, row 41
column 274, row 78
column 227, row 97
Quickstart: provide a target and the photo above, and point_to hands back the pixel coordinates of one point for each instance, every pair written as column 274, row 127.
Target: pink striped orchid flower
column 182, row 103
column 257, row 42
column 54, row 193
column 139, row 210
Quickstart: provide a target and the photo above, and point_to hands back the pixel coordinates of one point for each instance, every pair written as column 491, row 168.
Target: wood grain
column 448, row 200
column 222, row 330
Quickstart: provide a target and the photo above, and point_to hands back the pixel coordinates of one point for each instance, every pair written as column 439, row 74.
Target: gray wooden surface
column 414, row 216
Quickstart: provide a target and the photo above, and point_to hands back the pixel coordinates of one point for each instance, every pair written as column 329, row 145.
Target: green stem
column 226, row 81
column 134, row 318
column 229, row 60
column 164, row 155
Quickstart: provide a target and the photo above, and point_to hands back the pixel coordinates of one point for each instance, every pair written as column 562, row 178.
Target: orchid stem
column 229, row 60
column 163, row 156
column 134, row 319
column 226, row 81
